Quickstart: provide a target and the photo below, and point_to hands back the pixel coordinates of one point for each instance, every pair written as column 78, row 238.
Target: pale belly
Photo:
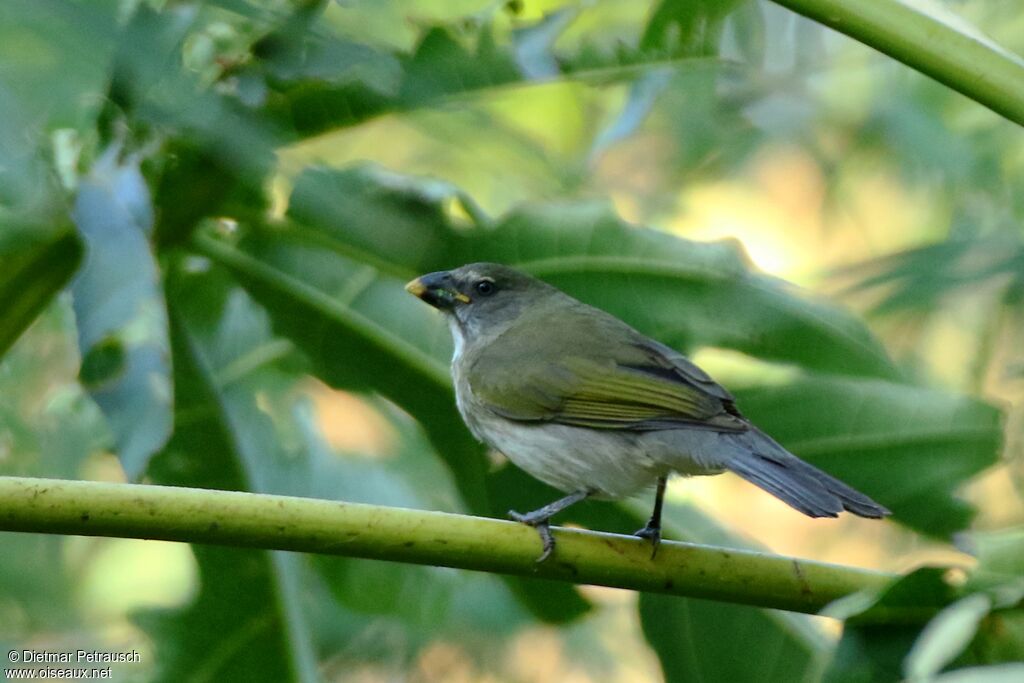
column 606, row 463
column 571, row 458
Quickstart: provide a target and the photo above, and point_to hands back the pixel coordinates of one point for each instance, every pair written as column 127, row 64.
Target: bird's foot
column 542, row 524
column 653, row 533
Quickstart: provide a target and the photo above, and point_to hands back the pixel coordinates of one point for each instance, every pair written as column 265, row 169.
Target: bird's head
column 482, row 297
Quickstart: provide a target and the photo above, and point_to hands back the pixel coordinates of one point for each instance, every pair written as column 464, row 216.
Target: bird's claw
column 543, row 528
column 653, row 534
column 547, row 540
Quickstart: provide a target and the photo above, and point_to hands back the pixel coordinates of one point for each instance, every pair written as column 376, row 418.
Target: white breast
column 457, row 337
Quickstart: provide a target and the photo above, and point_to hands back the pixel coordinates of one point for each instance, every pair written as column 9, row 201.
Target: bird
column 584, row 402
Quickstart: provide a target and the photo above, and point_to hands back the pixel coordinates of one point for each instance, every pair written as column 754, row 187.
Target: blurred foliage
column 234, row 192
column 119, row 308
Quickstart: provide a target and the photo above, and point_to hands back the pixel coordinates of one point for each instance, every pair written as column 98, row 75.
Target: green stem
column 420, row 537
column 980, row 70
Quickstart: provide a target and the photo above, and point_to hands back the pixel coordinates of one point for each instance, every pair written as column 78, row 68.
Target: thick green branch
column 984, row 72
column 435, row 538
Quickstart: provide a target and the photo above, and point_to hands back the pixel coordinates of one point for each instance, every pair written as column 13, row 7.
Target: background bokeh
column 253, row 181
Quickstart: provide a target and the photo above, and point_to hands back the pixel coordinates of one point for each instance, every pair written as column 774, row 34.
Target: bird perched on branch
column 582, row 401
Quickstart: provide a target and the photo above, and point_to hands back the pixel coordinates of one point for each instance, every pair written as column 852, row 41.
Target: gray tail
column 770, row 466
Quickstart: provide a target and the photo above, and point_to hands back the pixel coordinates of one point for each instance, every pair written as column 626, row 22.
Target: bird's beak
column 437, row 289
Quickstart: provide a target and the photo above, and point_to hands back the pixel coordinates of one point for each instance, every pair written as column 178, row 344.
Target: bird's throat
column 458, row 336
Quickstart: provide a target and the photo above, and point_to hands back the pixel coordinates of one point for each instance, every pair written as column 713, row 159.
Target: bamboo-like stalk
column 355, row 530
column 977, row 68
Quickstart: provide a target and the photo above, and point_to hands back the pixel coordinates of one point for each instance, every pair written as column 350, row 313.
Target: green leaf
column 197, row 182
column 442, row 65
column 55, row 55
column 120, row 310
column 909, row 447
column 54, row 62
column 946, row 636
column 697, row 640
column 925, row 622
column 999, row 577
column 36, row 265
column 1000, row 673
column 686, row 27
column 873, row 649
column 365, row 83
column 255, row 642
column 1000, row 553
column 335, row 82
column 218, row 151
column 921, row 278
column 245, row 621
column 1000, row 636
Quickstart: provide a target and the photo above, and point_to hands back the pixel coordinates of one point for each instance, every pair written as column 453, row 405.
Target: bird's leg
column 540, row 519
column 653, row 528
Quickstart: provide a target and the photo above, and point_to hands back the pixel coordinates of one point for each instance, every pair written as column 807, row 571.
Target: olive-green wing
column 603, row 375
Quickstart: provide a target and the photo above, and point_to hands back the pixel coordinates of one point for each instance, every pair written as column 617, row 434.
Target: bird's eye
column 485, row 287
